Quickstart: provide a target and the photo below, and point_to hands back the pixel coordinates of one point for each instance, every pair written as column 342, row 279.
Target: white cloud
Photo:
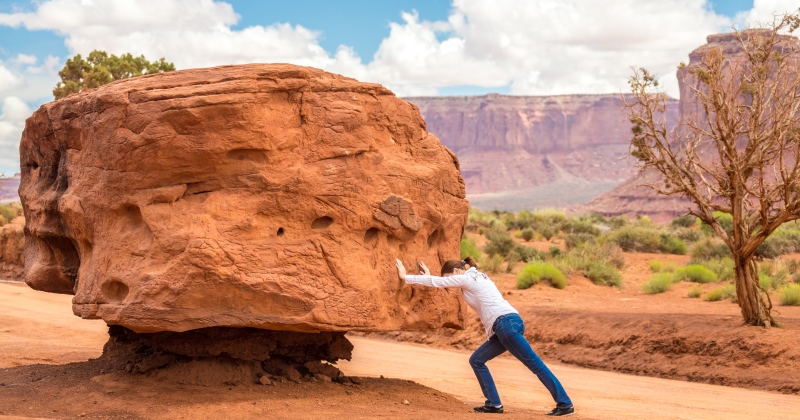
column 764, row 12
column 536, row 47
column 12, row 122
column 51, row 65
column 26, row 59
column 8, row 80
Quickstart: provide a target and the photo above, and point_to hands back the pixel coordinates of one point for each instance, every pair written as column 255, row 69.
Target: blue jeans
column 508, row 331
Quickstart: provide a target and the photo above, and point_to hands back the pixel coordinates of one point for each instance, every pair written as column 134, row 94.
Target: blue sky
column 414, row 47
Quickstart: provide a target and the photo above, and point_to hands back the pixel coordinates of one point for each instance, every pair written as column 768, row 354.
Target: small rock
column 292, row 374
column 381, row 376
column 322, row 378
column 356, row 380
column 406, row 402
column 264, row 380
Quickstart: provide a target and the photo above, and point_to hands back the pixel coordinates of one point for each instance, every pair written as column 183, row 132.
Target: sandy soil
column 46, row 372
column 668, row 335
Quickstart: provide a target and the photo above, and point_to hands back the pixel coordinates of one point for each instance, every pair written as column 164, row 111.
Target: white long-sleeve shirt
column 479, row 291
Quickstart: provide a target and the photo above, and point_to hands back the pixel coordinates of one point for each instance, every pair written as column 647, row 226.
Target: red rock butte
column 267, row 196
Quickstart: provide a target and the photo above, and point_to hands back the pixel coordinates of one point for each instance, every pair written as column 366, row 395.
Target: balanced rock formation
column 265, row 196
column 530, row 152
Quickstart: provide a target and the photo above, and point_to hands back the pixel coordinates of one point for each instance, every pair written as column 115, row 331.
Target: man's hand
column 424, row 269
column 401, row 270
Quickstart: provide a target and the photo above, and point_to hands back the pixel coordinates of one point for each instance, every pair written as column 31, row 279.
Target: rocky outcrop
column 534, row 151
column 265, row 196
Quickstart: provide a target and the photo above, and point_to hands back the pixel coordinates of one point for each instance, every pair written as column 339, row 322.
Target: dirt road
column 39, row 328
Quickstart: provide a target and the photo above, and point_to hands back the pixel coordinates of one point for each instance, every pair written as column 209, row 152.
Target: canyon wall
column 534, row 151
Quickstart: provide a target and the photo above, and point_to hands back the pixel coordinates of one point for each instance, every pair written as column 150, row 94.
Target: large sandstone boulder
column 266, row 196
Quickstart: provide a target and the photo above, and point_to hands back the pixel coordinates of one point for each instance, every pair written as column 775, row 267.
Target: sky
column 414, row 47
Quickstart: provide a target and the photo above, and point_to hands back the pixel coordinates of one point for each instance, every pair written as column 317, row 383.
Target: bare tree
column 740, row 155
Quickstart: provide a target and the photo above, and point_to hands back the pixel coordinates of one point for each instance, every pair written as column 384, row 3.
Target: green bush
column 548, row 232
column 500, row 242
column 721, row 293
column 689, row 235
column 602, row 274
column 468, row 249
column 765, row 281
column 725, row 220
column 686, row 221
column 577, row 226
column 527, row 234
column 9, row 212
column 790, row 295
column 554, row 252
column 646, row 239
column 659, row 283
column 769, row 249
column 709, row 249
column 695, row 273
column 525, row 254
column 535, row 272
column 492, row 264
column 656, row 266
column 695, row 291
column 575, row 239
column 723, row 268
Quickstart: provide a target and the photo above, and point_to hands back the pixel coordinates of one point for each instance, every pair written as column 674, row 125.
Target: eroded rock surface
column 266, row 196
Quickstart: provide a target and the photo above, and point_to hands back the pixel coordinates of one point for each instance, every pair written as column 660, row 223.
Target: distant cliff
column 534, row 151
column 8, row 189
column 629, row 197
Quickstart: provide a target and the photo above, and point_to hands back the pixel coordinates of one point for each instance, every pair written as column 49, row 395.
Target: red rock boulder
column 267, row 196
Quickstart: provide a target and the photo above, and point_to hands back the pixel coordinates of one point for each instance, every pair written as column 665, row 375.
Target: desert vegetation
column 9, row 212
column 549, row 247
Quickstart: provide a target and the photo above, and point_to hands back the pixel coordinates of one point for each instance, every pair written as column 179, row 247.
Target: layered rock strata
column 535, row 151
column 266, row 196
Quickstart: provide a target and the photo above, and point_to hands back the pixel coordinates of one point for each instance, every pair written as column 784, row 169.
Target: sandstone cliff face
column 534, row 151
column 267, row 196
column 630, row 197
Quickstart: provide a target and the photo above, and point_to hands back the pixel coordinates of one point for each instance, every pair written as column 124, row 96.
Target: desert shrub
column 9, row 212
column 602, row 274
column 554, row 252
column 525, row 254
column 469, row 249
column 670, row 244
column 527, row 234
column 695, row 273
column 574, row 239
column 492, row 264
column 796, row 278
column 725, row 220
column 647, row 239
column 500, row 242
column 765, row 281
column 689, row 235
column 617, row 222
column 791, row 266
column 790, row 295
column 659, row 283
column 487, row 220
column 537, row 271
column 769, row 249
column 656, row 266
column 695, row 291
column 709, row 249
column 578, row 226
column 721, row 293
column 723, row 268
column 548, row 232
column 525, row 219
column 686, row 221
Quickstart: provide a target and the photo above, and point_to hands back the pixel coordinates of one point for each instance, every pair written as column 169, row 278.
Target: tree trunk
column 756, row 310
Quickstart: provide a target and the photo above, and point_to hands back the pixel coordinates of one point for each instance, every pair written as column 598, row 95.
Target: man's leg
column 509, row 332
column 487, row 351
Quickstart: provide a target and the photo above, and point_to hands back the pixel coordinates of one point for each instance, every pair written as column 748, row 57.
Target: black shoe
column 559, row 412
column 489, row 409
